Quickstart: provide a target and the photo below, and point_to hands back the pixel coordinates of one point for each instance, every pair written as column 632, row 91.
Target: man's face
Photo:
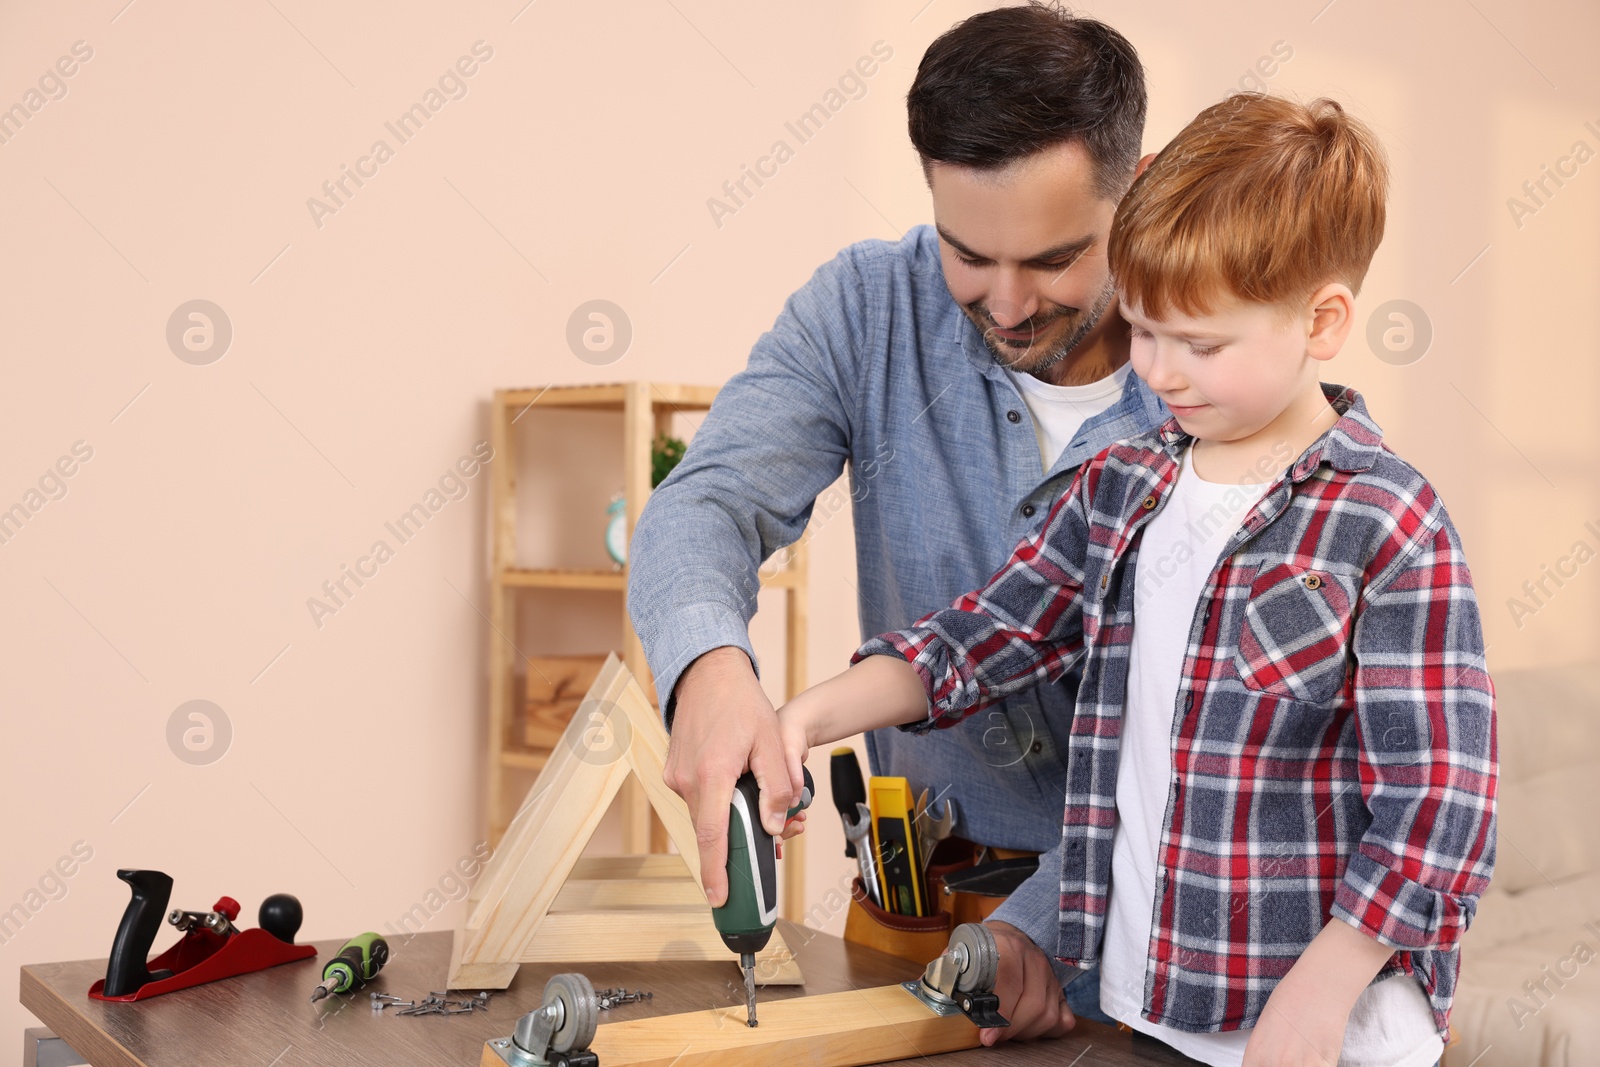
column 1227, row 375
column 1024, row 252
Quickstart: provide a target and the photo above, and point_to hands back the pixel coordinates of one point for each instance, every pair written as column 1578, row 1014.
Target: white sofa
column 1530, row 962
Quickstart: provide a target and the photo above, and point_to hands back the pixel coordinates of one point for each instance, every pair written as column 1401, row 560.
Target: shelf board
column 565, row 578
column 784, row 579
column 614, row 581
column 608, row 397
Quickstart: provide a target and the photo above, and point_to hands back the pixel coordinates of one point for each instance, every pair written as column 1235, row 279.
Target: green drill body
column 746, row 919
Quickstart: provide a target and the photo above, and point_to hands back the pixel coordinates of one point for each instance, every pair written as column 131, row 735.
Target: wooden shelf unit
column 646, row 409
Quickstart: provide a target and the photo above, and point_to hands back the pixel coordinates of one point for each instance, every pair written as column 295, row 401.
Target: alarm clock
column 617, row 532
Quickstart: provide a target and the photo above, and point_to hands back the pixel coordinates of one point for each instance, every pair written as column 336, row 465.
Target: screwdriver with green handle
column 361, row 958
column 745, row 920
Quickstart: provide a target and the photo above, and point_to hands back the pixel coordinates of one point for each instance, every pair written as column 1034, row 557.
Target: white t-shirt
column 1059, row 411
column 1391, row 1024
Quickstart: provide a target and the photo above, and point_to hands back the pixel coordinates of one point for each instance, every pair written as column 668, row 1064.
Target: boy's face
column 1227, row 375
column 1024, row 252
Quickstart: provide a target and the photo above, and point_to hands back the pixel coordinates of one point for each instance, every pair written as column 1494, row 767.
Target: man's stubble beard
column 1007, row 358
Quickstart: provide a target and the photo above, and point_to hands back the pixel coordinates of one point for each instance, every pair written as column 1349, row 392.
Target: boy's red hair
column 1260, row 198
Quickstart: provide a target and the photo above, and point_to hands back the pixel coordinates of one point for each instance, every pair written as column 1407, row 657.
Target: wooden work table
column 266, row 1020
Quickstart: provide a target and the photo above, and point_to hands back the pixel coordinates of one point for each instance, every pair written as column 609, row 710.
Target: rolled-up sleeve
column 777, row 434
column 1022, row 629
column 1429, row 761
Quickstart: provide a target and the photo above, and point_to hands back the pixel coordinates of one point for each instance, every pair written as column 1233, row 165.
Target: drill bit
column 748, row 959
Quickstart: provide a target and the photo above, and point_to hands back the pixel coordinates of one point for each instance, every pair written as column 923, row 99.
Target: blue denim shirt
column 872, row 366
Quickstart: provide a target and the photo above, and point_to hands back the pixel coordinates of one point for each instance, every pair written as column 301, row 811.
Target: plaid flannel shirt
column 1333, row 746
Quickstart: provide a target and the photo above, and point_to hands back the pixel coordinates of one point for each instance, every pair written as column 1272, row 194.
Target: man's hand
column 724, row 723
column 1030, row 995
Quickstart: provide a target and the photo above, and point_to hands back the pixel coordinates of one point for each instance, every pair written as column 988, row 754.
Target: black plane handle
column 125, row 970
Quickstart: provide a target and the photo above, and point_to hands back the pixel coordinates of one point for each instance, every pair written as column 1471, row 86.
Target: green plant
column 665, row 452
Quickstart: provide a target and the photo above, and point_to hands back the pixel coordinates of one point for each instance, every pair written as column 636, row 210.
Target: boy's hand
column 1299, row 1027
column 1030, row 994
column 1303, row 1021
column 793, row 735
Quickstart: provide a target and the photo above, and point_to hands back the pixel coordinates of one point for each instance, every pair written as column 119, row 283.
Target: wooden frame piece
column 538, row 900
column 849, row 1029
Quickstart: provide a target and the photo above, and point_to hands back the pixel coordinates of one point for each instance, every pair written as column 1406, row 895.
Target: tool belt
column 921, row 938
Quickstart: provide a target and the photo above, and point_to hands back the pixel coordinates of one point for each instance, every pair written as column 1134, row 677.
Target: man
column 963, row 374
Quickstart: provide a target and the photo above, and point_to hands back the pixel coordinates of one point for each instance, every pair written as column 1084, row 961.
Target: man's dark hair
column 1004, row 84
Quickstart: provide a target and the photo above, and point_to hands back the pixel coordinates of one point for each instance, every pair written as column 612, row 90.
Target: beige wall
column 578, row 165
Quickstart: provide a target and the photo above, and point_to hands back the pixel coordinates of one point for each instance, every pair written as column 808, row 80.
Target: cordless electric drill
column 745, row 920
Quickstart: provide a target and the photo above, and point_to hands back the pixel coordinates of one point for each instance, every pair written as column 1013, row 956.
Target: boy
column 1282, row 768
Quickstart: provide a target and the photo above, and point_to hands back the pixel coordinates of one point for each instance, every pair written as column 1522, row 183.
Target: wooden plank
column 596, row 894
column 610, row 397
column 688, row 397
column 796, row 649
column 784, row 579
column 638, row 428
column 564, row 578
column 604, row 397
column 641, row 865
column 872, row 1025
column 503, row 487
column 503, row 554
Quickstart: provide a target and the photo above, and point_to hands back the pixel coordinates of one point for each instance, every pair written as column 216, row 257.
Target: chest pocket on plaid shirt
column 1295, row 631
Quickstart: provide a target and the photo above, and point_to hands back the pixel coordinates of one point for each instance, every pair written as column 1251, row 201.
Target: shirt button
column 1036, row 748
column 1149, row 502
column 1104, row 578
column 1014, row 415
column 1313, row 581
column 1028, row 510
